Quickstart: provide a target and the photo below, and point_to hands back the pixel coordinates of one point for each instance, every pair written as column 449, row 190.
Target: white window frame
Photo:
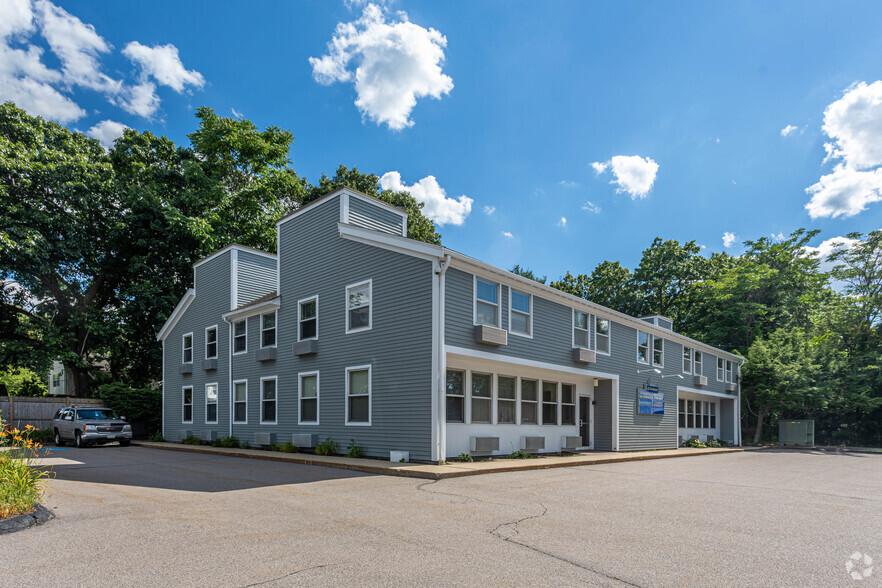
column 184, row 347
column 648, row 347
column 497, row 399
column 487, row 399
column 359, row 368
column 608, row 335
column 574, row 404
column 498, row 324
column 721, row 369
column 370, row 305
column 184, row 404
column 216, row 403
column 542, row 403
column 276, row 400
column 216, row 342
column 275, row 328
column 233, row 392
column 318, row 395
column 730, row 371
column 300, row 318
column 687, row 356
column 529, row 315
column 661, row 362
column 537, row 403
column 245, row 322
column 460, row 396
column 697, row 364
column 588, row 330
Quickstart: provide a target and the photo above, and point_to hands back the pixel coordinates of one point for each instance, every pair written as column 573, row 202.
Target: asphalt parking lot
column 138, row 516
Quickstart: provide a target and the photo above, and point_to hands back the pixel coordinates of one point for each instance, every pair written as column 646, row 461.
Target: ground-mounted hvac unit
column 801, row 433
column 570, row 442
column 484, row 444
column 208, row 435
column 264, row 438
column 532, row 443
column 303, row 440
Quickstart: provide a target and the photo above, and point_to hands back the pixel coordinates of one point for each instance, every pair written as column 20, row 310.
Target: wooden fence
column 21, row 411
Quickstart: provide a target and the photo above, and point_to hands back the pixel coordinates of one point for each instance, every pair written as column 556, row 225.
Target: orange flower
column 29, row 427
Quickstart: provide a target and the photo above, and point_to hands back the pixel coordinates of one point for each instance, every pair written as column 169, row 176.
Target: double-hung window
column 567, row 404
column 308, row 318
column 481, row 394
column 687, row 360
column 211, row 403
column 729, row 371
column 696, row 363
column 658, row 351
column 549, row 403
column 358, row 307
column 309, row 399
column 642, row 347
column 455, row 396
column 505, row 399
column 211, row 342
column 358, row 395
column 486, row 303
column 240, row 336
column 690, row 414
column 240, row 401
column 580, row 329
column 529, row 402
column 268, row 329
column 187, row 356
column 601, row 335
column 682, row 413
column 520, row 321
column 713, row 415
column 268, row 400
column 187, row 400
column 721, row 369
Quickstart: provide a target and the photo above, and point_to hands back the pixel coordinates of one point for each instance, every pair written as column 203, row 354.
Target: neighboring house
column 60, row 380
column 356, row 332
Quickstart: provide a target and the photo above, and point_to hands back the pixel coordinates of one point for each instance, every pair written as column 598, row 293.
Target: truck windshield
column 97, row 414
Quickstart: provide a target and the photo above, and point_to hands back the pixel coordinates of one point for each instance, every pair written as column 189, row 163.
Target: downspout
column 442, row 360
column 741, row 363
column 230, row 373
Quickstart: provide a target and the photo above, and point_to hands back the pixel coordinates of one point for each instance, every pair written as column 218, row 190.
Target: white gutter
column 442, row 361
column 230, row 372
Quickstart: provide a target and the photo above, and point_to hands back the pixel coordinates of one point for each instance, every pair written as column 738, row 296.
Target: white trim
column 470, row 397
column 233, row 396
column 230, row 247
column 475, row 279
column 329, row 197
column 608, row 335
column 163, row 389
column 511, row 292
column 344, row 208
column 176, row 314
column 489, row 356
column 615, row 415
column 496, row 399
column 233, row 338
column 695, row 363
column 299, row 319
column 377, row 201
column 184, row 348
column 216, row 403
column 648, row 348
column 184, row 404
column 370, row 305
column 318, row 395
column 250, row 311
column 230, row 374
column 216, row 342
column 234, row 279
column 278, row 261
column 661, row 363
column 395, row 243
column 717, row 367
column 358, row 368
column 276, row 400
column 275, row 329
column 705, row 392
column 588, row 315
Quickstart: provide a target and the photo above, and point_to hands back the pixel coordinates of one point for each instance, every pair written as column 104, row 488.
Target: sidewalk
column 448, row 470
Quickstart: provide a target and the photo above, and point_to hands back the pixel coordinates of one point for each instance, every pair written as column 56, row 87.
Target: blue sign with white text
column 650, row 401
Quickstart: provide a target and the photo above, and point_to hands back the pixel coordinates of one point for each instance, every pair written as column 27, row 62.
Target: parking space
column 138, row 516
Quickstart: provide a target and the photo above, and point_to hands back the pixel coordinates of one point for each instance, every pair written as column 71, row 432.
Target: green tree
column 528, row 273
column 609, row 284
column 666, row 279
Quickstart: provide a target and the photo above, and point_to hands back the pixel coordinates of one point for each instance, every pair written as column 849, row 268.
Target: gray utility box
column 264, row 438
column 303, row 439
column 484, row 444
column 209, row 364
column 267, row 354
column 796, row 433
column 699, row 381
column 185, row 368
column 584, row 355
column 491, row 335
column 308, row 347
column 532, row 443
column 570, row 442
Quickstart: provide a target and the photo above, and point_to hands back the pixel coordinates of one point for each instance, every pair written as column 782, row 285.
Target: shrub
column 245, row 445
column 273, row 447
column 156, row 437
column 38, row 435
column 326, row 447
column 192, row 440
column 136, row 404
column 288, row 447
column 22, row 482
column 519, row 455
column 465, row 457
column 354, row 449
column 22, row 382
column 693, row 443
column 225, row 442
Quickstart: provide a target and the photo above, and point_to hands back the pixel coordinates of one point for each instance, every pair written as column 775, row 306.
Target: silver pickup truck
column 88, row 426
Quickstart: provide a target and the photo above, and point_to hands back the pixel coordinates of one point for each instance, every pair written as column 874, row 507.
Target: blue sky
column 683, row 106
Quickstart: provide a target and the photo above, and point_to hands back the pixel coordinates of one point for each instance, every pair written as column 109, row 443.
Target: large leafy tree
column 667, row 277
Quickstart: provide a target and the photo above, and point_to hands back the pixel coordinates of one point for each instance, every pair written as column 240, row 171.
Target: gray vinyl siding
column 256, row 277
column 315, row 260
column 374, row 216
column 603, row 413
column 212, row 287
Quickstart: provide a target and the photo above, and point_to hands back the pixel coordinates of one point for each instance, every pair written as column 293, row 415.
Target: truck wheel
column 59, row 442
column 78, row 440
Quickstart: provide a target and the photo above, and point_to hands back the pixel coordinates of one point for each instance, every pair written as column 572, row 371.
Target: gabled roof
column 271, row 300
column 337, row 192
column 176, row 314
column 220, row 252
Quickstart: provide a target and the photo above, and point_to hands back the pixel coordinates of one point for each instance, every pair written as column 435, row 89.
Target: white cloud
column 107, row 131
column 488, row 210
column 569, row 184
column 823, row 251
column 437, row 206
column 562, row 222
column 728, row 239
column 591, row 207
column 16, row 16
column 507, row 235
column 788, row 129
column 236, row 113
column 854, row 125
column 163, row 64
column 396, row 62
column 779, row 237
column 632, row 174
column 140, row 99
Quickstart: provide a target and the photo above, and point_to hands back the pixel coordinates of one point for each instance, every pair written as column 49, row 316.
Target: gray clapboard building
column 355, row 332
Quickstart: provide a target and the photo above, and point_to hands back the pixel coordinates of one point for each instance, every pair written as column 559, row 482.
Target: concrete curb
column 438, row 472
column 39, row 516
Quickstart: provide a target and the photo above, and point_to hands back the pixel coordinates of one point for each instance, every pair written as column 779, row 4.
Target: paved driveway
column 138, row 516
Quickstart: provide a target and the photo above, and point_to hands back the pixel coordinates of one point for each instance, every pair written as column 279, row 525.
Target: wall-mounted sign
column 650, row 401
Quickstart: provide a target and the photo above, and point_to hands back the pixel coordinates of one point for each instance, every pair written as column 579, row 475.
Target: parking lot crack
column 288, row 575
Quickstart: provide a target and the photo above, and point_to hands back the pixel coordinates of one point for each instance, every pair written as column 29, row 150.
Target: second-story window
column 642, row 347
column 211, row 343
column 308, row 319
column 188, row 348
column 658, row 351
column 696, row 364
column 729, row 371
column 486, row 303
column 601, row 335
column 720, row 369
column 268, row 329
column 521, row 319
column 580, row 329
column 358, row 307
column 240, row 336
column 687, row 360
